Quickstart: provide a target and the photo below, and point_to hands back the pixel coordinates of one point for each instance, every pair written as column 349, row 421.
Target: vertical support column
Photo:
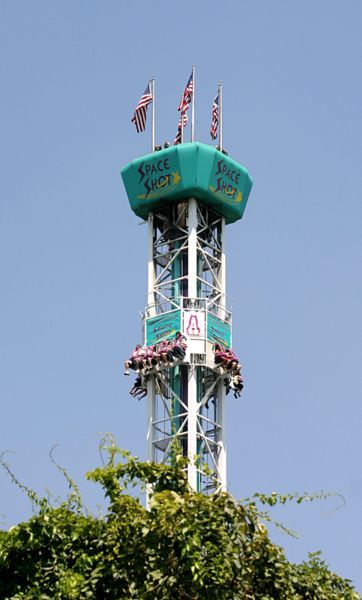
column 151, row 405
column 192, row 248
column 192, row 427
column 153, row 92
column 192, row 370
column 220, row 416
column 221, row 392
column 151, row 417
column 151, row 269
column 222, row 274
column 151, row 311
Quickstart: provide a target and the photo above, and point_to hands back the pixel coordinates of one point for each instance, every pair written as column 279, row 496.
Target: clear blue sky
column 73, row 256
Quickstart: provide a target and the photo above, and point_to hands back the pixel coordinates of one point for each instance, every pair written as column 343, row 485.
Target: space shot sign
column 162, row 327
column 158, row 176
column 226, row 180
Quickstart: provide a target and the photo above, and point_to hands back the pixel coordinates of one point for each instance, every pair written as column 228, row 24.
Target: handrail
column 166, row 305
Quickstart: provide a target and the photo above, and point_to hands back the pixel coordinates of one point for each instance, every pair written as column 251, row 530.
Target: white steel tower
column 188, row 193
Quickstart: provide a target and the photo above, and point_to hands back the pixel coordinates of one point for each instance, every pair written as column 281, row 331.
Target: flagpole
column 193, row 106
column 153, row 114
column 220, row 109
column 181, row 121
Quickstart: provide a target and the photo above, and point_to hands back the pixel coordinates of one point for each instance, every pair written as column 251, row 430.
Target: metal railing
column 165, row 305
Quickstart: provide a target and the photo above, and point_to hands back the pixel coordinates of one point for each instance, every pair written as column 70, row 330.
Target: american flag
column 139, row 117
column 182, row 123
column 183, row 108
column 187, row 96
column 215, row 118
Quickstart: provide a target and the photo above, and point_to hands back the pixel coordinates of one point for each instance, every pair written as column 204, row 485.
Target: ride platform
column 188, row 170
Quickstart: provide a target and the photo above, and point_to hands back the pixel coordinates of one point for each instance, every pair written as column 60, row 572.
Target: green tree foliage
column 186, row 546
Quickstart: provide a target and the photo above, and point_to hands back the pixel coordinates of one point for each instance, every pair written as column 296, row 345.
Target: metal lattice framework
column 170, row 424
column 186, row 270
column 169, row 243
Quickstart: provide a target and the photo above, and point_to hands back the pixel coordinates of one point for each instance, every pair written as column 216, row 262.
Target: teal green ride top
column 187, row 170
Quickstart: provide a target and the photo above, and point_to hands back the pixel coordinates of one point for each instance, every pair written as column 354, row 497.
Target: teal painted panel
column 162, row 327
column 218, row 331
column 153, row 181
column 230, row 183
column 184, row 171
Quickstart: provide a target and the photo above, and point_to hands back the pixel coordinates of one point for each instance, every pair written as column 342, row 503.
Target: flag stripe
column 140, row 113
column 182, row 123
column 187, row 96
column 215, row 118
column 183, row 108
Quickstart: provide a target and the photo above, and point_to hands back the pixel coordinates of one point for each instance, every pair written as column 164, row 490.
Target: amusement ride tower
column 188, row 193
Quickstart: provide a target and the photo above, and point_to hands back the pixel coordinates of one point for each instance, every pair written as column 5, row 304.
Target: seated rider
column 232, row 364
column 169, row 351
column 227, row 360
column 222, row 356
column 165, row 352
column 179, row 346
column 135, row 361
column 151, row 356
column 237, row 384
column 219, row 354
column 139, row 388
